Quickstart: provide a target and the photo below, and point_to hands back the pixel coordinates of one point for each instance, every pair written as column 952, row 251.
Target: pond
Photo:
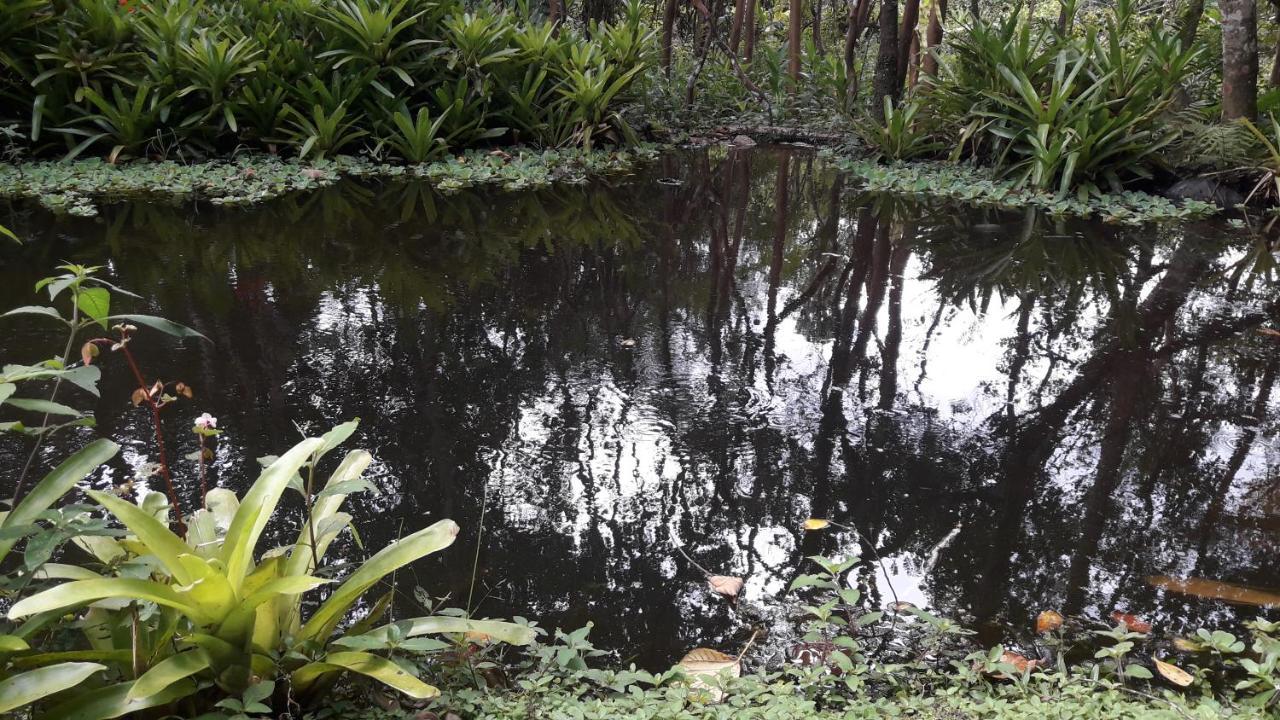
column 1014, row 412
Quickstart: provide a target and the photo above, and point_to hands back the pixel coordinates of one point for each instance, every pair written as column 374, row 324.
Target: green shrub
column 205, row 77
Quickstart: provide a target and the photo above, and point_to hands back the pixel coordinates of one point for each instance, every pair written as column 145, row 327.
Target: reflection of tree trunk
column 893, row 335
column 1126, row 389
column 876, row 285
column 781, row 211
column 1244, row 444
column 1021, row 351
column 1033, row 442
column 863, row 251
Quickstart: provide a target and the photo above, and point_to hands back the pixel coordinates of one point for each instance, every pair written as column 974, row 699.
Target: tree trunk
column 1239, row 59
column 735, row 30
column 886, row 82
column 975, row 10
column 910, row 19
column 553, row 11
column 750, row 29
column 1190, row 23
column 1274, row 79
column 933, row 36
column 913, row 61
column 793, row 44
column 668, row 25
column 817, row 28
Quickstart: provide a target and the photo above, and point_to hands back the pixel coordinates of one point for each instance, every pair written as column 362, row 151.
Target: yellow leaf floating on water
column 1173, row 673
column 1186, row 645
column 726, row 585
column 703, row 665
column 816, row 524
column 1216, row 590
column 1048, row 621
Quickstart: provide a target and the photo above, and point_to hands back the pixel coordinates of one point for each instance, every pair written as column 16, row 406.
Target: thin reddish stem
column 155, row 421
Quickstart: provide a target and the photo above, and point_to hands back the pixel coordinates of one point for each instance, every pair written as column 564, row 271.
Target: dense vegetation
column 403, row 78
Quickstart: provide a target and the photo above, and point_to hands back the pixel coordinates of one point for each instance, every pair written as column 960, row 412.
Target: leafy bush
column 163, row 77
column 181, row 612
column 1062, row 112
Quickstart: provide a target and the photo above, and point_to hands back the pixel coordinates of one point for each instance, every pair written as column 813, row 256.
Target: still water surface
column 1015, row 412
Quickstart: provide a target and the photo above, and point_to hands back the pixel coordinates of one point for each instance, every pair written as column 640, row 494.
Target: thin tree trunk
column 668, row 25
column 906, row 34
column 1274, row 79
column 913, row 61
column 887, row 84
column 975, row 10
column 750, row 29
column 553, row 11
column 1189, row 25
column 793, row 44
column 817, row 28
column 1239, row 59
column 735, row 30
column 933, row 36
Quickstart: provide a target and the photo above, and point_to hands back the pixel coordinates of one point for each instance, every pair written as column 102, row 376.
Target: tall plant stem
column 160, row 447
column 475, row 562
column 57, row 385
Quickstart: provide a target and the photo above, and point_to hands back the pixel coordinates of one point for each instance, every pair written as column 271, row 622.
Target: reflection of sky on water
column 605, row 368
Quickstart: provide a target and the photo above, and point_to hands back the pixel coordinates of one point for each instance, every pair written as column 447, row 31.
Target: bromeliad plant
column 188, row 621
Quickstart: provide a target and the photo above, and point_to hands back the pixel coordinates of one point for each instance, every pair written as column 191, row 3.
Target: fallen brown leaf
column 1173, row 673
column 726, row 585
column 1048, row 621
column 1217, row 590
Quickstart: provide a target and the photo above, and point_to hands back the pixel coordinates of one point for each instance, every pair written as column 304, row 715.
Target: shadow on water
column 1016, row 413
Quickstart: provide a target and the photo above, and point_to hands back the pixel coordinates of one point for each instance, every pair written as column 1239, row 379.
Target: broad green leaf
column 167, row 672
column 84, row 377
column 25, row 688
column 152, row 533
column 35, row 310
column 44, row 406
column 56, row 484
column 113, row 702
column 378, row 668
column 292, row 585
column 167, row 327
column 506, row 632
column 58, row 571
column 83, row 592
column 13, row 643
column 6, row 391
column 95, row 303
column 424, row 542
column 258, row 506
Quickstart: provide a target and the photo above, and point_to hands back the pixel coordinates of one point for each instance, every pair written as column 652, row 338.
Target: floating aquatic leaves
column 726, row 585
column 1048, row 621
column 1217, row 590
column 1173, row 673
column 1131, row 622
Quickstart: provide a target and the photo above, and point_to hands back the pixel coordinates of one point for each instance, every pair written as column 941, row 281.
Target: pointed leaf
column 23, row 689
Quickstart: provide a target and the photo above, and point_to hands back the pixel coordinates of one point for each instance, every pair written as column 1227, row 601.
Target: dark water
column 1017, row 413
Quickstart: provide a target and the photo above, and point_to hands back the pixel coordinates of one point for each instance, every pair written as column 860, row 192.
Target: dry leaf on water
column 1020, row 663
column 1173, row 673
column 1216, row 590
column 1132, row 623
column 1186, row 645
column 702, row 665
column 726, row 585
column 816, row 524
column 1048, row 621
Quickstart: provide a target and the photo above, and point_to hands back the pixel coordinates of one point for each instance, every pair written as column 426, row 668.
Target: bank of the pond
column 77, row 187
column 773, row 698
